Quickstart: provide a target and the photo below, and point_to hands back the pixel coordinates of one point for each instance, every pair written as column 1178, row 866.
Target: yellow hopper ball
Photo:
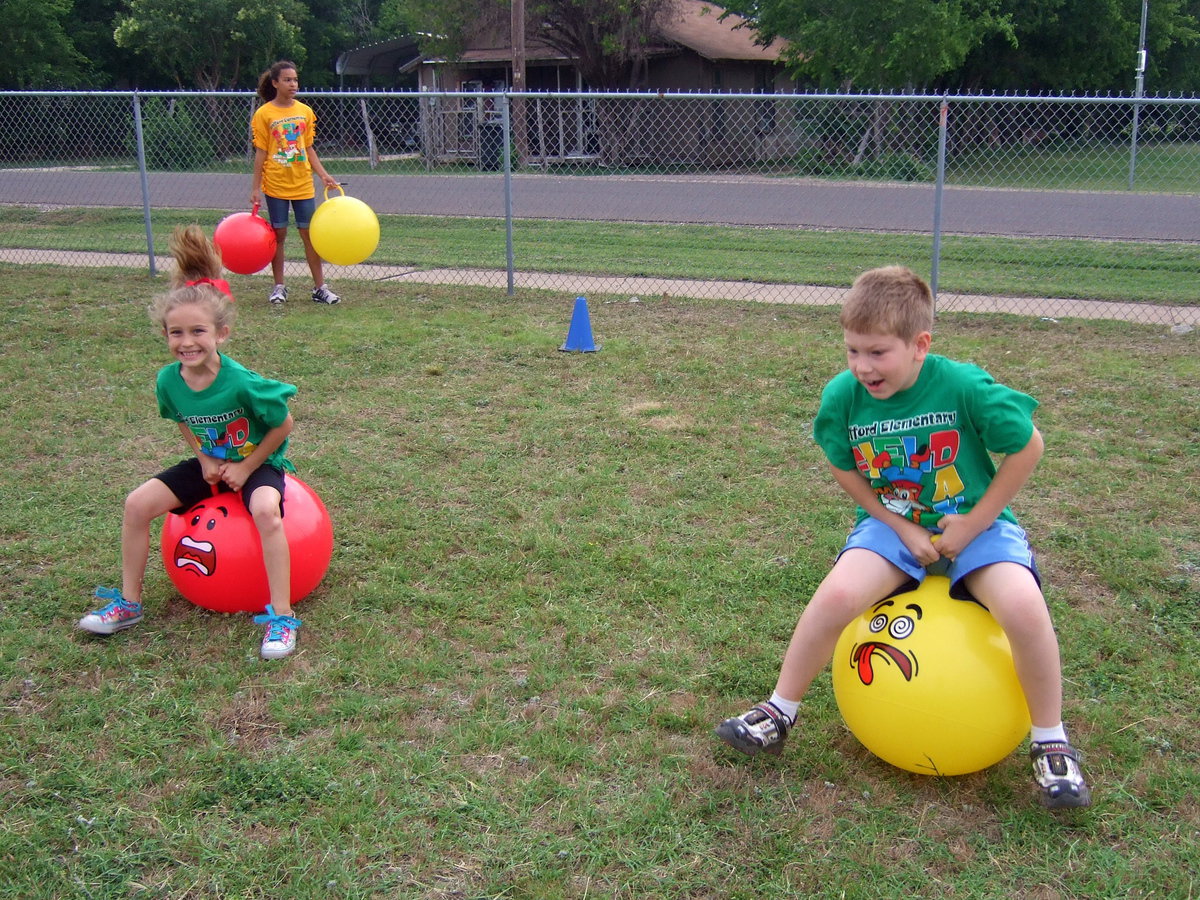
column 927, row 683
column 344, row 230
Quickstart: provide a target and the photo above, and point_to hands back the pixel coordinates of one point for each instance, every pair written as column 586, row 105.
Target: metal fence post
column 935, row 265
column 1139, row 82
column 505, row 127
column 141, row 159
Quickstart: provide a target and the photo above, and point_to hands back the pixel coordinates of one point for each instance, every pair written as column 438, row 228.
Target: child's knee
column 147, row 501
column 841, row 601
column 264, row 509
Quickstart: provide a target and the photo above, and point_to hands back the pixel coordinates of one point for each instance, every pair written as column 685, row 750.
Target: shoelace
column 277, row 624
column 115, row 598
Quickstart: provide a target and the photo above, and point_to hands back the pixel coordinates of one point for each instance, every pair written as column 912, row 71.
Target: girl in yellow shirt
column 284, row 162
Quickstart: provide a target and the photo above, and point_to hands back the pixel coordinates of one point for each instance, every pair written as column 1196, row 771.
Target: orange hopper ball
column 213, row 553
column 246, row 242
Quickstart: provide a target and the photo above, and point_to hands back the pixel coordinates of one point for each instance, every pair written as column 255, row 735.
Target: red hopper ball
column 246, row 242
column 213, row 553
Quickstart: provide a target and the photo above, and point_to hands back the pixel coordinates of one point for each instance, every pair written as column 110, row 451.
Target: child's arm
column 1011, row 475
column 210, row 466
column 235, row 474
column 915, row 538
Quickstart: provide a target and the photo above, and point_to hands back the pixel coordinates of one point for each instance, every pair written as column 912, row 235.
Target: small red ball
column 246, row 242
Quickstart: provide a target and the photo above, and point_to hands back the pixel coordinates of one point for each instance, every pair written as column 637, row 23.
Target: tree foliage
column 35, row 50
column 974, row 45
column 897, row 44
column 1083, row 45
column 212, row 44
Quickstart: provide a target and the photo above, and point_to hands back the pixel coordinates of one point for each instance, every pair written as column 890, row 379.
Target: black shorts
column 186, row 481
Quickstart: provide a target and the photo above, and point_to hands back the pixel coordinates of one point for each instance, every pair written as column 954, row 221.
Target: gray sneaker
column 278, row 295
column 325, row 295
column 1058, row 775
column 762, row 728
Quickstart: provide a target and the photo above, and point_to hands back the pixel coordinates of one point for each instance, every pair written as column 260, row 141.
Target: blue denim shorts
column 1004, row 541
column 278, row 211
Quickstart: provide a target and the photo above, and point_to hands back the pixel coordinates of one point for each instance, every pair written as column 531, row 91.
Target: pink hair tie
column 219, row 283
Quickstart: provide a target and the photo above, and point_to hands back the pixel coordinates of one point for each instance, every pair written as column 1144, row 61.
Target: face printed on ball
column 895, row 628
column 926, row 682
column 196, row 549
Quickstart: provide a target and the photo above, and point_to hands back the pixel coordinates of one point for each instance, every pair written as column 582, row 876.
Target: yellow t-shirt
column 285, row 135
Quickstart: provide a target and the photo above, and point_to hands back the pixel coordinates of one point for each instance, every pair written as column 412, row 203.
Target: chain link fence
column 1045, row 206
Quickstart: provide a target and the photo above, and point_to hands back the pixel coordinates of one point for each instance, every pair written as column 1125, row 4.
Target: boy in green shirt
column 908, row 435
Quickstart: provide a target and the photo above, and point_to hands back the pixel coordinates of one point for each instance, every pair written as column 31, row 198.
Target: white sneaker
column 278, row 295
column 324, row 295
column 279, row 639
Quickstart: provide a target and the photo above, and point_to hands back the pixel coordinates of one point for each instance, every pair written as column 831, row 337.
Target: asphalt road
column 727, row 200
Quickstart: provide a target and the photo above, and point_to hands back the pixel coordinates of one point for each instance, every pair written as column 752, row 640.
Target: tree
column 90, row 27
column 1081, row 45
column 35, row 50
column 609, row 39
column 332, row 27
column 212, row 44
column 875, row 46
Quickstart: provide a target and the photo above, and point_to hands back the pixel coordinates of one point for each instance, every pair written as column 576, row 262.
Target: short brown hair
column 891, row 300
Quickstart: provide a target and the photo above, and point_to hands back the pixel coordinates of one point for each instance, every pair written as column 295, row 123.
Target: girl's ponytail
column 266, row 86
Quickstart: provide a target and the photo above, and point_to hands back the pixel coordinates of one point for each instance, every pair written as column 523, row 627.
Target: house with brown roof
column 695, row 51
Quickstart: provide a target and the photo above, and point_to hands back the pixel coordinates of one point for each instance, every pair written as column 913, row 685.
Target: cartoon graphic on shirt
column 919, row 482
column 230, row 442
column 289, row 143
column 902, row 493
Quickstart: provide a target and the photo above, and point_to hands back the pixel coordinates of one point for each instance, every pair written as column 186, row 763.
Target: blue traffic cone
column 579, row 335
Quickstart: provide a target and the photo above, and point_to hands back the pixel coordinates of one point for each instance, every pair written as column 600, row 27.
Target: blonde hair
column 197, row 265
column 195, row 255
column 891, row 300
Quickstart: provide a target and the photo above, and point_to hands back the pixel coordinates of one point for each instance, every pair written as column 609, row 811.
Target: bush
column 172, row 140
column 897, row 167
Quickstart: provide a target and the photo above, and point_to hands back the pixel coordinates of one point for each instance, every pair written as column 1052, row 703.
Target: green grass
column 1126, row 271
column 1159, row 168
column 553, row 573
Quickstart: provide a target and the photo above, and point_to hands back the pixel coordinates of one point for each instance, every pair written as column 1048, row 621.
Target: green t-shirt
column 229, row 417
column 926, row 450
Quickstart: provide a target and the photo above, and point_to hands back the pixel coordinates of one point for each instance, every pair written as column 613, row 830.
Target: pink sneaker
column 279, row 640
column 119, row 613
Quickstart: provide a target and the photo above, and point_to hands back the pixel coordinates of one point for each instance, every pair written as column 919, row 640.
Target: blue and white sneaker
column 324, row 295
column 116, row 615
column 279, row 639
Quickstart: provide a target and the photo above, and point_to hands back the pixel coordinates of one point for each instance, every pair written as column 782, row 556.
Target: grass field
column 553, row 574
column 1120, row 271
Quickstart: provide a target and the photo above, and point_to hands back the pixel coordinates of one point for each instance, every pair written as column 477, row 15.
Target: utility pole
column 517, row 107
column 1139, row 81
